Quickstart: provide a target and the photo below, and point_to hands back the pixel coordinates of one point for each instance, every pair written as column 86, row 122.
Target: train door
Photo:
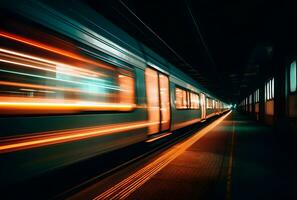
column 158, row 102
column 164, row 102
column 203, row 107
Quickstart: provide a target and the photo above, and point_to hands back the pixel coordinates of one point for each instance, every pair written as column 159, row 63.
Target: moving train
column 74, row 86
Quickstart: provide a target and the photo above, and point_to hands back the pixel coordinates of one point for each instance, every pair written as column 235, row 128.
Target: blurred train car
column 73, row 86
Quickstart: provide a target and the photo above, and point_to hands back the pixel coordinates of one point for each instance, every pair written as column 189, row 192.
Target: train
column 74, row 86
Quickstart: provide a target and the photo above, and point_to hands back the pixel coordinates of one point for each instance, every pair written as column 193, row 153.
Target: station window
column 293, row 82
column 256, row 96
column 269, row 89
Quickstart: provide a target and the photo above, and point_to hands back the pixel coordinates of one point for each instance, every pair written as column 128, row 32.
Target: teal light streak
column 56, row 79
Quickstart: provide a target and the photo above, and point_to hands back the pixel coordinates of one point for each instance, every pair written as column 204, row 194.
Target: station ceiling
column 224, row 45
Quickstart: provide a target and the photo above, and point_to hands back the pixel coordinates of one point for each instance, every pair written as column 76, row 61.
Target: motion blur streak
column 126, row 187
column 45, row 62
column 48, row 82
column 27, row 85
column 51, row 49
column 158, row 137
column 16, row 105
column 44, row 139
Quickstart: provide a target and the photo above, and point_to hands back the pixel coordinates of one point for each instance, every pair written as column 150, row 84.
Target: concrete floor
column 238, row 159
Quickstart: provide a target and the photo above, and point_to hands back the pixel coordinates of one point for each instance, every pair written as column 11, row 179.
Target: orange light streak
column 64, row 89
column 16, row 84
column 26, row 105
column 158, row 137
column 44, row 62
column 52, row 49
column 45, row 139
column 127, row 186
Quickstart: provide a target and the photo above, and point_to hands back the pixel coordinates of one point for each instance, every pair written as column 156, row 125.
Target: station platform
column 238, row 159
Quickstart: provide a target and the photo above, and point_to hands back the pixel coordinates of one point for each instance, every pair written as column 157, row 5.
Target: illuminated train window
column 293, row 81
column 194, row 100
column 185, row 99
column 181, row 98
column 269, row 89
column 58, row 77
column 209, row 103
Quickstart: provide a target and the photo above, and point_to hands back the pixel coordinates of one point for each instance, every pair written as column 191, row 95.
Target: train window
column 293, row 81
column 194, row 101
column 59, row 77
column 188, row 99
column 181, row 98
column 209, row 103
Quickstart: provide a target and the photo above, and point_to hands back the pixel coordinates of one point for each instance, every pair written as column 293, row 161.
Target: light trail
column 48, row 63
column 45, row 139
column 15, row 105
column 127, row 186
column 58, row 79
column 28, row 85
column 52, row 49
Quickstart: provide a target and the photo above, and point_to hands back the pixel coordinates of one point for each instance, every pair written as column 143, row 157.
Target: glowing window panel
column 272, row 88
column 194, row 101
column 181, row 98
column 208, row 103
column 164, row 102
column 293, row 82
column 153, row 101
column 268, row 89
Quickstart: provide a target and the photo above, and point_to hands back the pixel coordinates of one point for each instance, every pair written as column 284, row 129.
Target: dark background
column 226, row 45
